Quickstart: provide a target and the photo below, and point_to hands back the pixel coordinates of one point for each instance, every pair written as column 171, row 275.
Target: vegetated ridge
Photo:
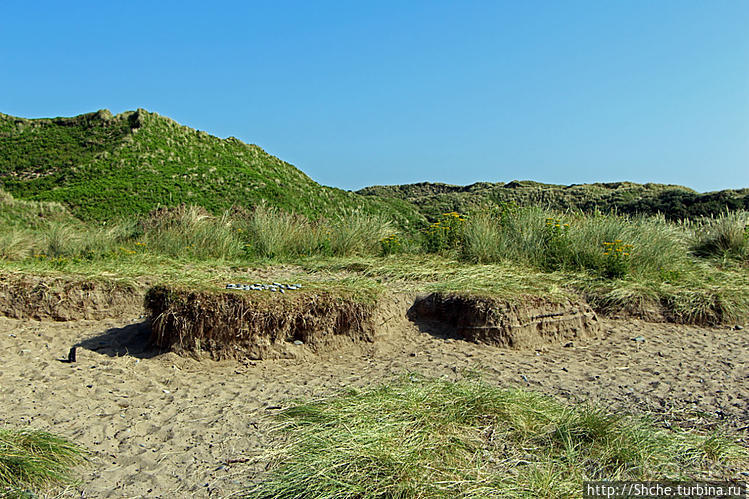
column 100, row 165
column 674, row 201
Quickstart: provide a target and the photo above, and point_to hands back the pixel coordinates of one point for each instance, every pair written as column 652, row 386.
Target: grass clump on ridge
column 724, row 236
column 424, row 437
column 32, row 460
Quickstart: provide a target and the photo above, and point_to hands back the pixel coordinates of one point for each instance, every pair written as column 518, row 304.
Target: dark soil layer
column 527, row 322
column 255, row 326
column 64, row 299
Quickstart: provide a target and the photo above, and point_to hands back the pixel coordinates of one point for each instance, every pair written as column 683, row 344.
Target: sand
column 161, row 425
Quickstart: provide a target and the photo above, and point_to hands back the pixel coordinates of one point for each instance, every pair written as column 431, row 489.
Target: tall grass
column 726, row 235
column 16, row 244
column 192, row 232
column 273, row 233
column 358, row 233
column 693, row 270
column 575, row 242
column 423, row 438
column 32, row 460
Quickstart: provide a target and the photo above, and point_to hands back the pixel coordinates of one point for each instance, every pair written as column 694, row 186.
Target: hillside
column 675, row 201
column 100, row 166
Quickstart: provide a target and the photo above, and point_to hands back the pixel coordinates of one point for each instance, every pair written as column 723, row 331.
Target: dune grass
column 33, row 461
column 695, row 270
column 425, row 437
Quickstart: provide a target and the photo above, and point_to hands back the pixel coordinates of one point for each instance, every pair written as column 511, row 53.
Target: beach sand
column 163, row 425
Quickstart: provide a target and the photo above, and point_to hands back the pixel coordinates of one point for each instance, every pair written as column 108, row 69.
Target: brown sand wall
column 238, row 324
column 65, row 299
column 525, row 322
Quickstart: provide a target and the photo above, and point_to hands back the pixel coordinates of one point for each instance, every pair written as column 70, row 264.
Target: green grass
column 674, row 201
column 102, row 166
column 665, row 267
column 428, row 438
column 34, row 461
column 725, row 236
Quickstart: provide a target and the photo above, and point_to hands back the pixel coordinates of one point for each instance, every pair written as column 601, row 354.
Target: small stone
column 298, row 342
column 639, row 339
column 738, row 327
column 569, row 344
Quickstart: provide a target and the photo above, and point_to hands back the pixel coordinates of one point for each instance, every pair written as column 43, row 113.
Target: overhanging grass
column 424, row 437
column 703, row 294
column 32, row 460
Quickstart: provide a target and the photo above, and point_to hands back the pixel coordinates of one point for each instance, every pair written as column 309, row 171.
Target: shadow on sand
column 133, row 340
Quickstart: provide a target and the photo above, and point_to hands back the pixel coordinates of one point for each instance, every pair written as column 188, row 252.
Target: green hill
column 101, row 166
column 674, row 201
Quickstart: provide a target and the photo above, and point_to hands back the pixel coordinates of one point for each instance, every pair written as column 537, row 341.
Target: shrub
column 444, row 234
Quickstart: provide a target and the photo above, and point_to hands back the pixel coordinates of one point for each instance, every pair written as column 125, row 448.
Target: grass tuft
column 424, row 437
column 724, row 236
column 32, row 460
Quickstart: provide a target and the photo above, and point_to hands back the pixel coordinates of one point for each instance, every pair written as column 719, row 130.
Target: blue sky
column 363, row 93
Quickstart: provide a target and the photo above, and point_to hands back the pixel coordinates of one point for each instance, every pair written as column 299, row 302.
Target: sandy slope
column 168, row 426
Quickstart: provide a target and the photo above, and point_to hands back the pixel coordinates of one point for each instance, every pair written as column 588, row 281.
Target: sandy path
column 168, row 426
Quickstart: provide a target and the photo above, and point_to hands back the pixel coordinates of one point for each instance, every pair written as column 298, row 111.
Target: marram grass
column 33, row 460
column 691, row 272
column 433, row 438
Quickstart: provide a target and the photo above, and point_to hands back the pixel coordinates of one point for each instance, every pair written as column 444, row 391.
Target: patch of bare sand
column 170, row 426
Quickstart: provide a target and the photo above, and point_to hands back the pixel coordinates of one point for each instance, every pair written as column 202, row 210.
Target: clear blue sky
column 381, row 92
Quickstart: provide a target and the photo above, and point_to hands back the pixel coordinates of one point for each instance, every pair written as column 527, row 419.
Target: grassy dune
column 101, row 166
column 695, row 271
column 674, row 201
column 99, row 196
